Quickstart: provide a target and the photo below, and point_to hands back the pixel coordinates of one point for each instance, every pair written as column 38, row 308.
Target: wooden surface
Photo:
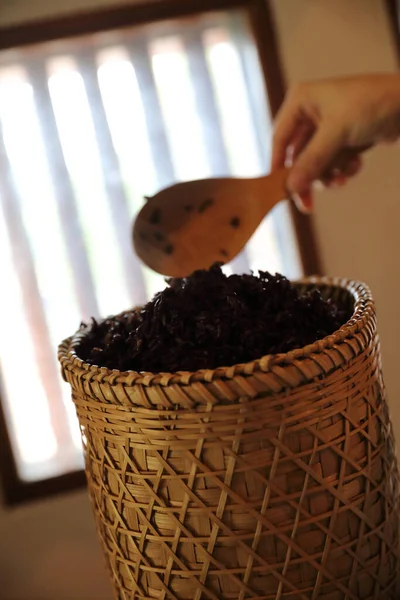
column 195, row 224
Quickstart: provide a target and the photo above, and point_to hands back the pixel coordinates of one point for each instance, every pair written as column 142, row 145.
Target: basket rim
column 364, row 313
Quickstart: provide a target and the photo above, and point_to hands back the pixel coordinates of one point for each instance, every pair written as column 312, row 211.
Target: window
column 89, row 125
column 393, row 9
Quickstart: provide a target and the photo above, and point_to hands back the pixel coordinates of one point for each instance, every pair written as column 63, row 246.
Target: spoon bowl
column 191, row 225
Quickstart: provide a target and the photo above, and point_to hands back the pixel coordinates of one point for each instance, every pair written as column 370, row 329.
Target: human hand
column 323, row 126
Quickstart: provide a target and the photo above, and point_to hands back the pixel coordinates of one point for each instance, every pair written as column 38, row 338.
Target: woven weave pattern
column 275, row 479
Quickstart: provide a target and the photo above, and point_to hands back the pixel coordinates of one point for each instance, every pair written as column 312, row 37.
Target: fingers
column 316, row 157
column 336, row 177
column 299, row 141
column 288, row 120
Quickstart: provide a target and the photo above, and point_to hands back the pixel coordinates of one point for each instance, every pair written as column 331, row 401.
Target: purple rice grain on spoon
column 206, row 204
column 159, row 236
column 155, row 216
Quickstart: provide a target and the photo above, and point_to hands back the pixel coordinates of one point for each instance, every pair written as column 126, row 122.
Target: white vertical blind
column 88, row 127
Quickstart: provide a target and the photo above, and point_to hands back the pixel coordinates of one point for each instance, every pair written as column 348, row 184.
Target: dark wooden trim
column 263, row 25
column 393, row 9
column 307, row 241
column 106, row 19
column 8, row 468
column 14, row 490
column 268, row 47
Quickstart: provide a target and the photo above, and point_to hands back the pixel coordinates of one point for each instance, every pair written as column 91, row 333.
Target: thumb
column 315, row 158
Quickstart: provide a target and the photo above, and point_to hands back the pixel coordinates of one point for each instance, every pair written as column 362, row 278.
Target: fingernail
column 318, row 185
column 303, row 203
column 288, row 162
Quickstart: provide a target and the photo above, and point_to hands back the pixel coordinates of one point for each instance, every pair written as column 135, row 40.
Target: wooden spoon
column 191, row 225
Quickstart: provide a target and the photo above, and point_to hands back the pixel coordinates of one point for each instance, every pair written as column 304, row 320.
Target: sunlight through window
column 81, row 154
column 89, row 127
column 177, row 101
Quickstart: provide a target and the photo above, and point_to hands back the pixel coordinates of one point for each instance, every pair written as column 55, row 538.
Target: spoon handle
column 272, row 189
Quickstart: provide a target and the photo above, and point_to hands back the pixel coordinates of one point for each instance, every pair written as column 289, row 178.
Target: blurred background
column 101, row 103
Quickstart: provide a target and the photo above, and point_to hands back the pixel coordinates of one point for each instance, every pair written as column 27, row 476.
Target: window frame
column 117, row 17
column 393, row 9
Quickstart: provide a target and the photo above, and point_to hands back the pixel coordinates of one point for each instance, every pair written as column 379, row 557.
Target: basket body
column 271, row 480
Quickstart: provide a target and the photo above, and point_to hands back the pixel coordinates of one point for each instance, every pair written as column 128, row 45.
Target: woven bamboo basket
column 275, row 479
